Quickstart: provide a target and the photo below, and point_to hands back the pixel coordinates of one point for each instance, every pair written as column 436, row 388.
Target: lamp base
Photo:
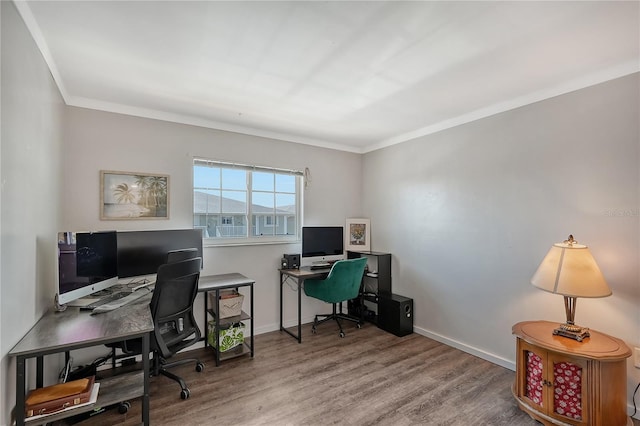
column 571, row 331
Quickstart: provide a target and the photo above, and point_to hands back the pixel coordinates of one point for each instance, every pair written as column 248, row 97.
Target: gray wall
column 30, row 174
column 43, row 194
column 97, row 141
column 468, row 214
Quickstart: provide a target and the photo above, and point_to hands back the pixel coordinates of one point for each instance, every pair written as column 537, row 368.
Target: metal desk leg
column 282, row 328
column 281, row 285
column 253, row 321
column 40, row 369
column 299, row 312
column 206, row 324
column 20, row 390
column 216, row 334
column 145, row 370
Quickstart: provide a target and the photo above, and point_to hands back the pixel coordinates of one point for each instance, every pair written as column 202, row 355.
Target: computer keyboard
column 130, row 297
column 103, row 301
column 323, row 265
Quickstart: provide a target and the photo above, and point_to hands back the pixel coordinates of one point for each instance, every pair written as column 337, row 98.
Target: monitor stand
column 57, row 306
column 83, row 301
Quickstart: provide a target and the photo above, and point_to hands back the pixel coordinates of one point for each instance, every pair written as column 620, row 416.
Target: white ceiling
column 354, row 76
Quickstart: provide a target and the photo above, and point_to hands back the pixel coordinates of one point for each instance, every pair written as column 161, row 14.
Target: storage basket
column 228, row 338
column 230, row 303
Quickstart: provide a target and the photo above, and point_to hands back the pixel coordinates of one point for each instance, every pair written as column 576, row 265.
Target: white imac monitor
column 323, row 243
column 87, row 263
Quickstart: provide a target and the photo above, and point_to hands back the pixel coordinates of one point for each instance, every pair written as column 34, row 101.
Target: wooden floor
column 370, row 377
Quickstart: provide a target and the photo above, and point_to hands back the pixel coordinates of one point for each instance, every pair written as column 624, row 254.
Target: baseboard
column 495, row 359
column 421, row 331
column 267, row 328
column 485, row 355
column 288, row 324
column 275, row 326
column 458, row 345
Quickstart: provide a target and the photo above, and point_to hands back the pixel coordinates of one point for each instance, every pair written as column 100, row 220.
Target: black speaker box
column 291, row 261
column 395, row 314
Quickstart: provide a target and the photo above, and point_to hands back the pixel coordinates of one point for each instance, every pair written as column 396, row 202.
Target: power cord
column 102, row 360
column 633, row 398
column 64, row 373
column 68, row 373
column 292, row 285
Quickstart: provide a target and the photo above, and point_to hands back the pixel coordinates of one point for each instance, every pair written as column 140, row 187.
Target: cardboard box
column 230, row 303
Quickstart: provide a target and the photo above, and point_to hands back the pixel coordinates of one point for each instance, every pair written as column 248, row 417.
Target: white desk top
column 211, row 282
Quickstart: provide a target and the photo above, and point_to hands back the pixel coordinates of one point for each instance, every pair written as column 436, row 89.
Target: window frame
column 249, row 239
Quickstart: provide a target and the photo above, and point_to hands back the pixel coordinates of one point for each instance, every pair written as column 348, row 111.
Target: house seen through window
column 243, row 204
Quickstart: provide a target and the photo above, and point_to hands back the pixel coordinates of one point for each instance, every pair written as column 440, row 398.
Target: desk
column 300, row 275
column 216, row 283
column 58, row 332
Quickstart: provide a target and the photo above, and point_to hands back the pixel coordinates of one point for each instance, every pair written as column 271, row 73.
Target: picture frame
column 133, row 195
column 358, row 234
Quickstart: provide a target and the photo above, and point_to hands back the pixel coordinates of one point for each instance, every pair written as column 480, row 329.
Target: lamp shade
column 570, row 270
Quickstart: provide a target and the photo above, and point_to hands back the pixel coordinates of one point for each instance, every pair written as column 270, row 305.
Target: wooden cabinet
column 560, row 381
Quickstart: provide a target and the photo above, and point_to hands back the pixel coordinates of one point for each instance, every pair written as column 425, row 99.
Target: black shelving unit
column 214, row 284
column 373, row 285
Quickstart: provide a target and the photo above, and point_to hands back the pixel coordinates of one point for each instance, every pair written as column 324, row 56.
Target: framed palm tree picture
column 132, row 195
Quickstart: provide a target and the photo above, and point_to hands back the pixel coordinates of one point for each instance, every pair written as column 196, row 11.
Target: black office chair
column 342, row 284
column 182, row 254
column 175, row 327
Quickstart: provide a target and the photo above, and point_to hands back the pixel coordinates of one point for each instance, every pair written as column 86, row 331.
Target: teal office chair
column 342, row 284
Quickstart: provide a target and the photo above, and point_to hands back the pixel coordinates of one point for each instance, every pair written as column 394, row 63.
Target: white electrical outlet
column 636, row 358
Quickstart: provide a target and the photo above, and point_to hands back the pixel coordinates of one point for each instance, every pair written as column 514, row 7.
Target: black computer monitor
column 140, row 253
column 322, row 241
column 87, row 263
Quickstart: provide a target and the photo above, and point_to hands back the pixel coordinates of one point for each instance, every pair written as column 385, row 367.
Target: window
column 236, row 203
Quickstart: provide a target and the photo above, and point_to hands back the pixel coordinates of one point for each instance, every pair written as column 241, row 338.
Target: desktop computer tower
column 395, row 314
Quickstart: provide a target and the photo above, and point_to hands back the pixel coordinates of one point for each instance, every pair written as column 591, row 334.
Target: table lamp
column 569, row 269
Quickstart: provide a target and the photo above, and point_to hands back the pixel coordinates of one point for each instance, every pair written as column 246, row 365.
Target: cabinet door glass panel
column 567, row 385
column 534, row 378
